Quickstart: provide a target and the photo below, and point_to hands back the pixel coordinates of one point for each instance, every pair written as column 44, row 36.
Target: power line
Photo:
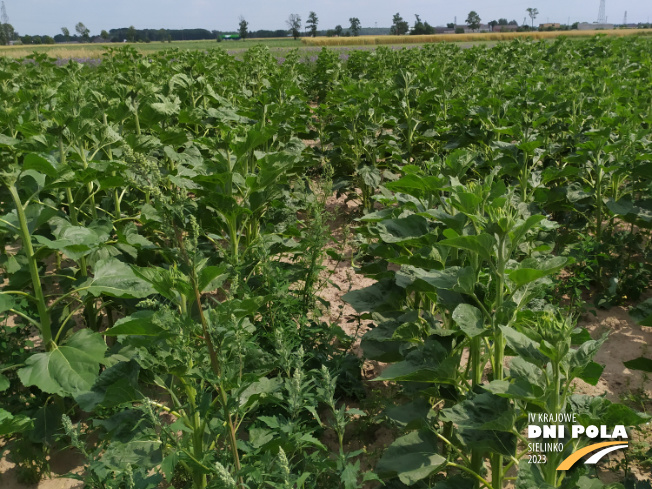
column 602, row 19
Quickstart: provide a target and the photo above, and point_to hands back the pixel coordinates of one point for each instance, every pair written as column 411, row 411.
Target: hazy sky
column 48, row 16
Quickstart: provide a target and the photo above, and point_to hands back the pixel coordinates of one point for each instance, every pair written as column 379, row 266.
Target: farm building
column 585, row 26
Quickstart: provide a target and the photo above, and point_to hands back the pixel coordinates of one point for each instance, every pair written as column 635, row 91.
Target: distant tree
column 104, row 35
column 294, row 24
column 330, row 33
column 502, row 21
column 512, row 22
column 532, row 12
column 66, row 33
column 6, row 29
column 311, row 24
column 338, row 30
column 242, row 28
column 399, row 26
column 421, row 28
column 27, row 39
column 450, row 25
column 83, row 31
column 47, row 40
column 162, row 35
column 355, row 26
column 7, row 33
column 131, row 34
column 473, row 20
column 493, row 23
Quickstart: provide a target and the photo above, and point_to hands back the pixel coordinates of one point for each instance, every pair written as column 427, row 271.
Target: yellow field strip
column 480, row 36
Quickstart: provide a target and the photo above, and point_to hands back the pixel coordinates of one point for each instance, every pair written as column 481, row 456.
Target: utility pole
column 601, row 13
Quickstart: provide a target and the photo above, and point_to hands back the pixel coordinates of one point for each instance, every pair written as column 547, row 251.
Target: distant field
column 95, row 50
column 475, row 37
column 280, row 46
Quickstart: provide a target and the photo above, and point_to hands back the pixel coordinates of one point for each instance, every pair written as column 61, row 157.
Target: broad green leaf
column 522, row 370
column 410, row 415
column 452, row 278
column 525, row 275
column 598, row 410
column 167, row 106
column 116, row 279
column 520, row 389
column 529, row 477
column 642, row 313
column 4, row 383
column 578, row 360
column 379, row 344
column 376, row 296
column 46, row 164
column 140, row 323
column 144, row 453
column 485, row 411
column 412, row 458
column 69, row 368
column 211, row 277
column 10, row 424
column 470, row 320
column 117, row 385
column 417, row 185
column 525, row 347
column 640, row 363
column 402, row 229
column 6, row 302
column 370, row 176
column 482, row 244
column 77, row 241
column 263, row 387
column 521, row 229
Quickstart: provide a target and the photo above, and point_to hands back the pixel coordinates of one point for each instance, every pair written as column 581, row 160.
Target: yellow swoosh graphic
column 574, row 457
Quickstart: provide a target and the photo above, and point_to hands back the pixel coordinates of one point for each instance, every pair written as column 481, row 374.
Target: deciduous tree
column 83, row 31
column 294, row 24
column 66, row 33
column 532, row 12
column 242, row 28
column 355, row 26
column 473, row 20
column 131, row 34
column 311, row 24
column 399, row 26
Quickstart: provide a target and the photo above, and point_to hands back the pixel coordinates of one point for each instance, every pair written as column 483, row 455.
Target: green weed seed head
column 299, row 358
column 146, row 173
column 195, row 232
column 224, row 476
column 284, row 464
column 129, row 478
column 70, row 429
column 328, row 386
